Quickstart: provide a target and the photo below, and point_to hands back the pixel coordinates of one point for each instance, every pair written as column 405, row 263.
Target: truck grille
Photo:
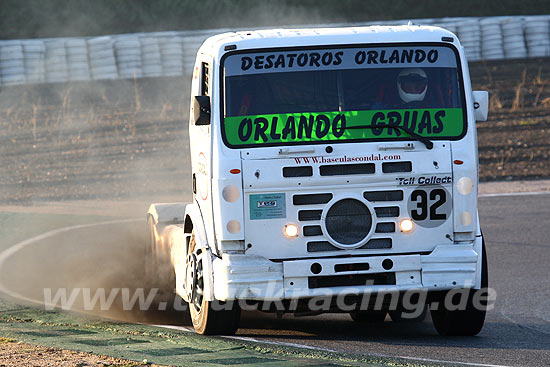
column 372, row 244
column 393, row 167
column 311, row 199
column 348, row 221
column 347, row 169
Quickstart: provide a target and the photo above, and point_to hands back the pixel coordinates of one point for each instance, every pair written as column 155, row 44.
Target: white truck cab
column 327, row 163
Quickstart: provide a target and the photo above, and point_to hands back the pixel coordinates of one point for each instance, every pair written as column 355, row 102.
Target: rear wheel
column 468, row 321
column 208, row 317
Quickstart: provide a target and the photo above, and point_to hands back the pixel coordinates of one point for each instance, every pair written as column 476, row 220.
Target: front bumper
column 239, row 276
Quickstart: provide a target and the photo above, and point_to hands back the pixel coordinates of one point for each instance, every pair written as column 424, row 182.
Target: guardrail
column 138, row 55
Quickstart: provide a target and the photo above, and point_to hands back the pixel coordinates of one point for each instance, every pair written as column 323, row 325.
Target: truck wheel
column 369, row 317
column 467, row 322
column 208, row 320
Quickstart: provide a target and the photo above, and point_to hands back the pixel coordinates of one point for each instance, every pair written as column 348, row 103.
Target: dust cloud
column 106, row 148
column 95, row 270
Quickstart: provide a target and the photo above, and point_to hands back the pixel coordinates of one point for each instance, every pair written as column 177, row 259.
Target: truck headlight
column 406, row 225
column 291, row 230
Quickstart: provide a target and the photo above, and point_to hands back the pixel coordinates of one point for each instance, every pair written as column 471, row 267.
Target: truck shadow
column 331, row 329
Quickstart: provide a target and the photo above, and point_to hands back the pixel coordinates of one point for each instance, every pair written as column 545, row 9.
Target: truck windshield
column 275, row 98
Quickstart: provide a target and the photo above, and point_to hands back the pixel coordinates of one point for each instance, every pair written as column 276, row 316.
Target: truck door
column 200, row 142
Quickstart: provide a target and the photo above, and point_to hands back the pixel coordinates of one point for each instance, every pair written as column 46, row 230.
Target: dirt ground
column 113, row 140
column 515, row 142
column 128, row 139
column 13, row 353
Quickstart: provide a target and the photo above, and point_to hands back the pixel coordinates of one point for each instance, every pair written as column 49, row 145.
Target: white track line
column 451, row 362
column 248, row 339
column 6, row 254
column 284, row 344
column 174, row 327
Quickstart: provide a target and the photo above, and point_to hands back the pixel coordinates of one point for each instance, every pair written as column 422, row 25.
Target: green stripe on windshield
column 339, row 126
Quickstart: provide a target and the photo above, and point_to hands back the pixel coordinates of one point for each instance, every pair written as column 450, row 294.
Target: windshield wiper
column 427, row 142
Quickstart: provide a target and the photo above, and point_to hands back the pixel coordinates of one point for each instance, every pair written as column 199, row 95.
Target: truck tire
column 206, row 319
column 467, row 322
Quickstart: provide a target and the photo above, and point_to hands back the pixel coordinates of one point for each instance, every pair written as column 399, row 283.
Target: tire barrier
column 12, row 63
column 470, row 37
column 128, row 57
column 55, row 62
column 102, row 58
column 537, row 36
column 492, row 46
column 77, row 58
column 159, row 54
column 512, row 35
column 150, row 55
column 34, row 54
column 171, row 49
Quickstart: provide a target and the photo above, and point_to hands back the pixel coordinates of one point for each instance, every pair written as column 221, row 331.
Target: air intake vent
column 377, row 243
column 306, row 215
column 309, row 199
column 351, row 280
column 302, row 171
column 394, row 195
column 385, row 227
column 373, row 244
column 312, row 231
column 347, row 169
column 393, row 167
column 320, row 246
column 339, row 268
column 386, row 212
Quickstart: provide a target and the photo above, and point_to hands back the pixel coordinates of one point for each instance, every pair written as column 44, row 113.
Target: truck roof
column 266, row 38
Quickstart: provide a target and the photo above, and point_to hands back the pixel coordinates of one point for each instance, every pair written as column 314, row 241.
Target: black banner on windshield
column 334, row 59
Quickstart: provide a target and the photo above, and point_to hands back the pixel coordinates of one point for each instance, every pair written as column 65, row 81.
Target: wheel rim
column 197, row 284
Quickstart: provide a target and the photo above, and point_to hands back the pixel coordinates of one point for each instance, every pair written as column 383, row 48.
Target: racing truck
column 328, row 165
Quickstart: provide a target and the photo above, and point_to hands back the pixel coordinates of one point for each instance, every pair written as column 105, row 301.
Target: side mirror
column 201, row 110
column 481, row 105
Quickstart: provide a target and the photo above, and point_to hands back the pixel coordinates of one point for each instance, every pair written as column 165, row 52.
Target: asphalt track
column 516, row 333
